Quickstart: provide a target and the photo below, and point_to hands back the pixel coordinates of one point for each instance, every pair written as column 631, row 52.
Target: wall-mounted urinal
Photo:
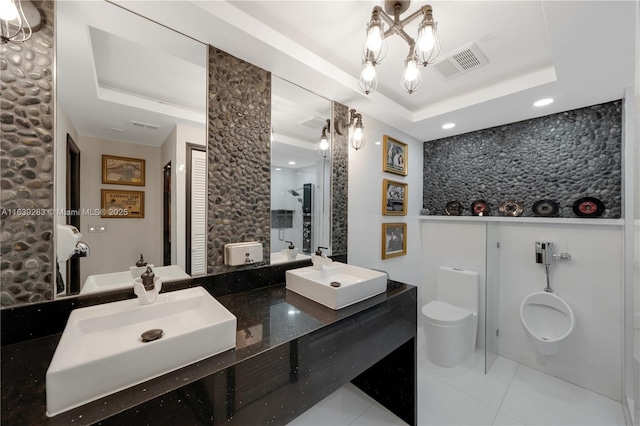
column 548, row 320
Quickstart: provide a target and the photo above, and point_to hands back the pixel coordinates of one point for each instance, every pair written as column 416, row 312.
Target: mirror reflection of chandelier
column 19, row 19
column 424, row 50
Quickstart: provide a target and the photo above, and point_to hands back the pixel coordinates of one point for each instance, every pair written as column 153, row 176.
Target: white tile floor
column 510, row 394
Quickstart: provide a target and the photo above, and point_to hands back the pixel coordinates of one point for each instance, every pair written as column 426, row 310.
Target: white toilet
column 548, row 320
column 451, row 321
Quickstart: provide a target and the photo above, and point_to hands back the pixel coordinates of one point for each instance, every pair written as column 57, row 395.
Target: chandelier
column 422, row 51
column 19, row 19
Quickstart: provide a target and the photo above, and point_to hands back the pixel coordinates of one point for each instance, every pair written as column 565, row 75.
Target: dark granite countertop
column 267, row 318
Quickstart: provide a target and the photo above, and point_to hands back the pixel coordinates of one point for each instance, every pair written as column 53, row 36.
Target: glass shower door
column 492, row 294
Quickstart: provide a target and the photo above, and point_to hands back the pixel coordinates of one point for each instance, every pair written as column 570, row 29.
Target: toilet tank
column 458, row 287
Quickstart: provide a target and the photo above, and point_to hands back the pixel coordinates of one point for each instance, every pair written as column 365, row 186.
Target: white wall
column 590, row 283
column 365, row 204
column 120, row 247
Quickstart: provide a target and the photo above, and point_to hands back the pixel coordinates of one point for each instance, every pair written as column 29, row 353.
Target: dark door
column 73, row 209
column 166, row 177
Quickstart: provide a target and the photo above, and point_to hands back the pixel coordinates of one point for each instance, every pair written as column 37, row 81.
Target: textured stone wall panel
column 563, row 157
column 239, row 176
column 339, row 180
column 26, row 166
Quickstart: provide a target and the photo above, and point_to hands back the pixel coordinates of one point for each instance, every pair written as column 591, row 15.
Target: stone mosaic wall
column 563, row 157
column 26, row 166
column 239, row 177
column 339, row 180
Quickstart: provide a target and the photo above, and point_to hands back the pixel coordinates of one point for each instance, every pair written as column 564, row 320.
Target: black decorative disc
column 480, row 208
column 453, row 208
column 545, row 208
column 588, row 207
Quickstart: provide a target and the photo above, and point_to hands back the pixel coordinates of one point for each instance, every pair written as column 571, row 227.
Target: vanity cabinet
column 290, row 353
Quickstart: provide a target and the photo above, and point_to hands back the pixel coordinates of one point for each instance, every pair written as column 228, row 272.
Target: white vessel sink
column 118, row 280
column 356, row 284
column 101, row 350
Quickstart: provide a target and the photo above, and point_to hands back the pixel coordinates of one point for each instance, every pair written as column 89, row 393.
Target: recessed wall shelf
column 536, row 220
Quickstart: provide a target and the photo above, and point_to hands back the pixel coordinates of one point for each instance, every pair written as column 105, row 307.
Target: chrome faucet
column 319, row 258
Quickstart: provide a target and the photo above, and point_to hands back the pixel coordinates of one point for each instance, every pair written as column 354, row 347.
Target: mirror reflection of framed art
column 123, row 170
column 118, row 204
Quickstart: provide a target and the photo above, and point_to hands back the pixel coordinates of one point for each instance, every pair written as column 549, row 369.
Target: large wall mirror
column 131, row 130
column 131, row 140
column 300, row 172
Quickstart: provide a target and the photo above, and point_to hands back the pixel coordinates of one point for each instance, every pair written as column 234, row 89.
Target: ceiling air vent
column 467, row 58
column 144, row 125
column 314, row 122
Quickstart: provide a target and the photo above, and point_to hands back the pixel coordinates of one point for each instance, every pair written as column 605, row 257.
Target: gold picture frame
column 123, row 170
column 394, row 198
column 395, row 156
column 394, row 240
column 118, row 204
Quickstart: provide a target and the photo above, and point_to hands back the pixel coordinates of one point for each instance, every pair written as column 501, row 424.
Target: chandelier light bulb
column 374, row 37
column 8, row 10
column 368, row 71
column 426, row 39
column 411, row 78
column 411, row 70
column 368, row 81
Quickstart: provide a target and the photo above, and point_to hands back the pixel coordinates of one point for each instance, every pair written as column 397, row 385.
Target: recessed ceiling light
column 278, row 168
column 377, row 143
column 543, row 102
column 292, row 162
column 449, row 126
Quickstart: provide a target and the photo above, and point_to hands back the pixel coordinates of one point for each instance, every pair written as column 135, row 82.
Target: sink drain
column 151, row 335
column 335, row 284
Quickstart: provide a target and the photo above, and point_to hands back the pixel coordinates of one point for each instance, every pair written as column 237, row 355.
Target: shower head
column 293, row 192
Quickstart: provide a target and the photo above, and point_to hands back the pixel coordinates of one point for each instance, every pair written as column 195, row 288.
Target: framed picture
column 394, row 240
column 123, row 170
column 395, row 156
column 394, row 198
column 117, row 204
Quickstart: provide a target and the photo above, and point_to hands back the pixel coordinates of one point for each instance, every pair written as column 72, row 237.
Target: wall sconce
column 18, row 20
column 324, row 141
column 357, row 135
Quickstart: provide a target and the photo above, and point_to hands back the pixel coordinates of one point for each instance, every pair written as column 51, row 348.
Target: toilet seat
column 442, row 313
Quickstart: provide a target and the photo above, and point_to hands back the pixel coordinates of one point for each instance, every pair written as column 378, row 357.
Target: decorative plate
column 511, row 208
column 588, row 207
column 480, row 208
column 453, row 208
column 545, row 208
